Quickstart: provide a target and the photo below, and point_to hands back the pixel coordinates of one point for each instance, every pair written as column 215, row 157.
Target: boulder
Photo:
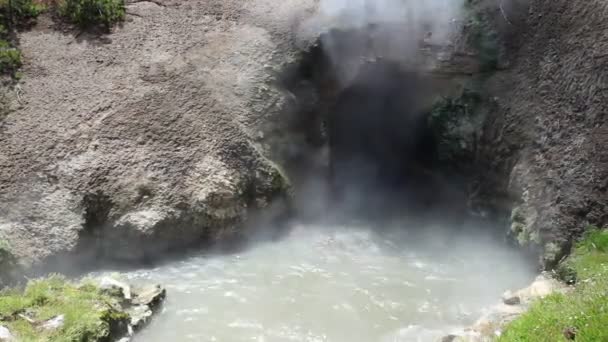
column 542, row 286
column 151, row 137
column 151, row 296
column 509, row 298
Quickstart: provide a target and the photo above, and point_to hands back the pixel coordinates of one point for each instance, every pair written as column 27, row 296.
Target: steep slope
column 149, row 138
column 550, row 134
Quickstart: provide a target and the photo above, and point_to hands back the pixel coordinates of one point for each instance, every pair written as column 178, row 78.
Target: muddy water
column 334, row 284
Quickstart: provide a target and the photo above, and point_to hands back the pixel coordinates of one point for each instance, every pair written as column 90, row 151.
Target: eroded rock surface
column 149, row 138
column 550, row 130
column 139, row 303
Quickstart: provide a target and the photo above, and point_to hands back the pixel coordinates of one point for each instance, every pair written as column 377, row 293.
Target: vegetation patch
column 580, row 315
column 92, row 13
column 14, row 13
column 88, row 313
column 10, row 58
column 18, row 12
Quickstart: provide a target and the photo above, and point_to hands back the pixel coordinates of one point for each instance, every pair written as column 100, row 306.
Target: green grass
column 91, row 13
column 88, row 312
column 10, row 58
column 14, row 13
column 21, row 10
column 584, row 310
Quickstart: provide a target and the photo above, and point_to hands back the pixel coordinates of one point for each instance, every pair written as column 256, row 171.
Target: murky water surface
column 333, row 284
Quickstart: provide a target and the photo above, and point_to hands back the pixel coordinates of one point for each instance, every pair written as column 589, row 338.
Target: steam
column 434, row 15
column 387, row 29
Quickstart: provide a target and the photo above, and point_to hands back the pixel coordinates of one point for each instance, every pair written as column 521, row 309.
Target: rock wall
column 147, row 139
column 160, row 134
column 549, row 134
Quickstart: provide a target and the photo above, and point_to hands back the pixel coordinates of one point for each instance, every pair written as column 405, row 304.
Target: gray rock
column 53, row 323
column 112, row 285
column 154, row 149
column 509, row 298
column 559, row 175
column 542, row 286
column 151, row 296
column 140, row 316
column 5, row 334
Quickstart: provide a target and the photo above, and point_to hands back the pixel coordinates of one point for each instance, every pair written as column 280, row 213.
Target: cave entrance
column 381, row 148
column 379, row 151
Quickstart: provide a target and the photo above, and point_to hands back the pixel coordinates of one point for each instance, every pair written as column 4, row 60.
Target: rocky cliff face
column 549, row 134
column 161, row 134
column 147, row 139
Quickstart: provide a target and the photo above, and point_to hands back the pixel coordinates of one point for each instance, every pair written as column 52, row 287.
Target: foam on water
column 338, row 284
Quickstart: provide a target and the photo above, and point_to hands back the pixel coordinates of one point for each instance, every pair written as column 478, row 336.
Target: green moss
column 517, row 215
column 90, row 13
column 584, row 310
column 89, row 314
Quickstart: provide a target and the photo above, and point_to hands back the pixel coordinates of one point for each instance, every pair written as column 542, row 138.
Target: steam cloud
column 388, row 29
column 434, row 15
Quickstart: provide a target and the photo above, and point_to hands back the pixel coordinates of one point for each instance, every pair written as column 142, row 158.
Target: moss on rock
column 522, row 227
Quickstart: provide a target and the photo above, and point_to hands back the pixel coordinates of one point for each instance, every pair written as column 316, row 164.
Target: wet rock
column 509, row 298
column 135, row 307
column 53, row 323
column 542, row 286
column 151, row 296
column 146, row 300
column 115, row 288
column 5, row 334
column 140, row 316
column 449, row 338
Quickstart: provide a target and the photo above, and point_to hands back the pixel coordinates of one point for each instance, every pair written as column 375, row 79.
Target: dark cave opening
column 378, row 140
column 379, row 149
